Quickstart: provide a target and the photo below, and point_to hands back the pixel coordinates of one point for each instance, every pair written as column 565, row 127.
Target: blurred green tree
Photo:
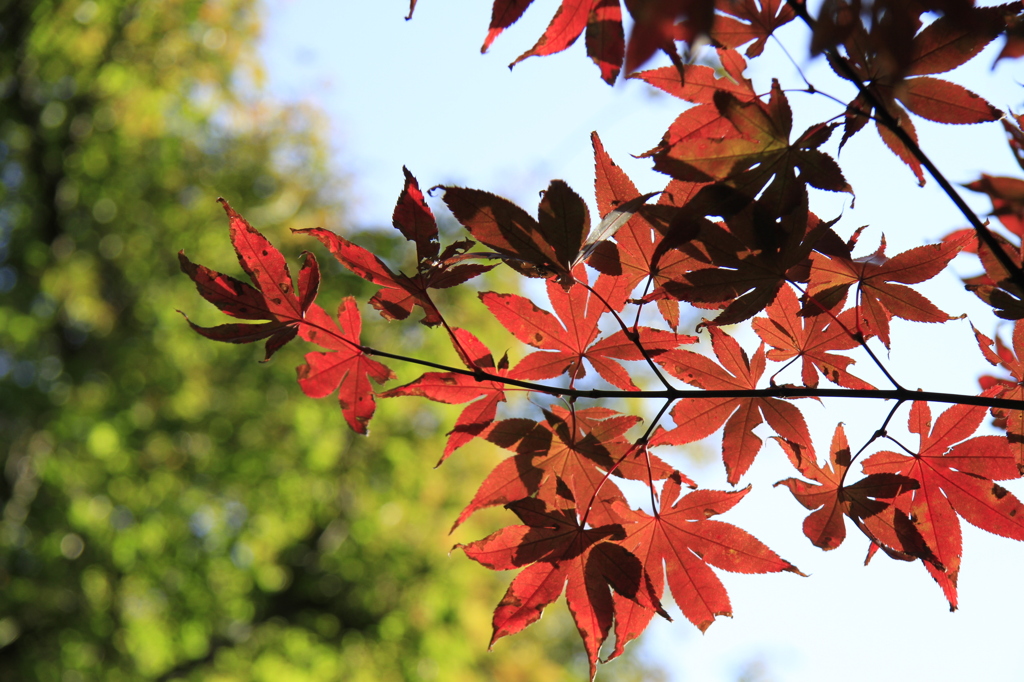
column 168, row 513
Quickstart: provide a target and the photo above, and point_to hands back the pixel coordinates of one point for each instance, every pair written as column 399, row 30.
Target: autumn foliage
column 730, row 238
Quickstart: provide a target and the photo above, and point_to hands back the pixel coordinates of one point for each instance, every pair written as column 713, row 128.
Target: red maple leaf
column 996, row 286
column 1011, row 359
column 347, row 369
column 741, row 21
column 810, row 338
column 270, row 297
column 943, row 45
column 681, row 536
column 1007, row 195
column 401, row 292
column 646, row 243
column 570, row 336
column 698, row 418
column 830, row 499
column 558, row 554
column 698, row 83
column 532, row 247
column 573, row 449
column 880, row 279
column 453, row 388
column 955, row 475
column 745, row 141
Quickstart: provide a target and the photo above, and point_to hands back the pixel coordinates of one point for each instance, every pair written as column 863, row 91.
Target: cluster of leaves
column 732, row 236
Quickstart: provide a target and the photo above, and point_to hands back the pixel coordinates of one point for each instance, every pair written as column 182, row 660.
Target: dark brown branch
column 886, row 118
column 687, row 393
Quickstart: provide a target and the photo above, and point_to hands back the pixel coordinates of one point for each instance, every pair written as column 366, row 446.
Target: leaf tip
column 793, row 569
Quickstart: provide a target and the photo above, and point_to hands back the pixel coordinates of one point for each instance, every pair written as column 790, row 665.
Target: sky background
column 420, row 94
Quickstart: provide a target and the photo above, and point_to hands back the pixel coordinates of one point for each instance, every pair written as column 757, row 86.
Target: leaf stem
column 640, row 442
column 880, row 432
column 858, row 336
column 633, row 335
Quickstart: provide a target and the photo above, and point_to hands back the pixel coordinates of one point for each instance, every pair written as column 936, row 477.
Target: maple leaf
column 698, row 83
column 646, row 243
column 996, row 286
column 955, row 475
column 1011, row 359
column 744, row 262
column 880, row 279
column 697, row 418
column 1007, row 195
column 558, row 554
column 744, row 20
column 347, row 368
column 566, row 339
column 657, row 23
column 680, row 542
column 575, row 449
column 831, row 500
column 810, row 338
column 602, row 20
column 453, row 388
column 270, row 297
column 943, row 45
column 534, row 248
column 745, row 142
column 401, row 293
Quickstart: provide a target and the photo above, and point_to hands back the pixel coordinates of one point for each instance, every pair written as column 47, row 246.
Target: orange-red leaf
column 879, row 279
column 680, row 542
column 559, row 553
column 575, row 450
column 698, row 418
column 830, row 499
column 811, row 338
column 746, row 20
column 955, row 475
column 945, row 102
column 453, row 388
column 1011, row 359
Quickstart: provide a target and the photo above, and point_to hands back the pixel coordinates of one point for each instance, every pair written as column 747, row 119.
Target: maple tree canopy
column 730, row 238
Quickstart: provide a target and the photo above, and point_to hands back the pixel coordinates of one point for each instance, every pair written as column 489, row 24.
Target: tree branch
column 689, row 393
column 886, row 118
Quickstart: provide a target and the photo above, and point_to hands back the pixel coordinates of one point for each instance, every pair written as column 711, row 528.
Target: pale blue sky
column 419, row 93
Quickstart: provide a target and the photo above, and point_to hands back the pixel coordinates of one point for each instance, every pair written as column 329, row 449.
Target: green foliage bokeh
column 171, row 509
